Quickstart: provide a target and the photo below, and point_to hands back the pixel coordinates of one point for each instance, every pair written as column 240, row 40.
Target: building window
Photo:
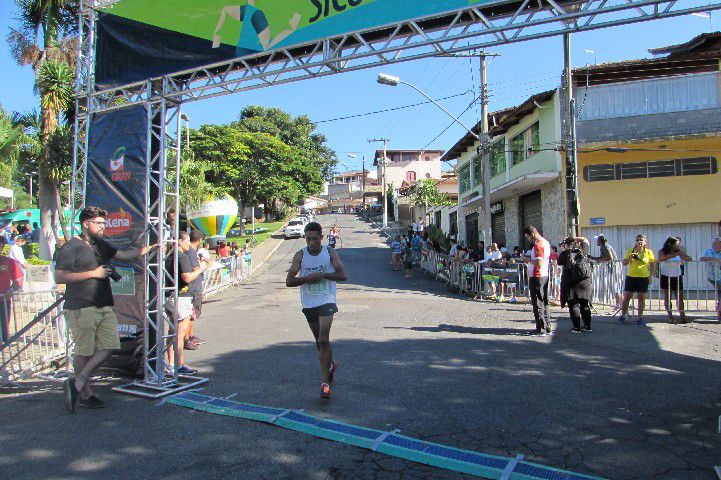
column 498, row 158
column 411, row 176
column 464, row 178
column 453, row 223
column 409, row 156
column 477, row 170
column 534, row 140
column 658, row 168
column 428, row 159
column 518, row 150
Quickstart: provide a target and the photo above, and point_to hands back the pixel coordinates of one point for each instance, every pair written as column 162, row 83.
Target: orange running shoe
column 324, row 390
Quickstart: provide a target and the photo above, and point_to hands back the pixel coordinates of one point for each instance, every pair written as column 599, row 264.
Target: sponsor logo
column 117, row 166
column 117, row 223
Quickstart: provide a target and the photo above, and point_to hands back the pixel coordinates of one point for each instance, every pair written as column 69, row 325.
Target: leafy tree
column 194, row 186
column 44, row 40
column 298, row 132
column 425, row 192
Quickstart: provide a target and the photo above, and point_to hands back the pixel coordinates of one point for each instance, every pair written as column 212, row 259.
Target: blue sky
column 522, row 70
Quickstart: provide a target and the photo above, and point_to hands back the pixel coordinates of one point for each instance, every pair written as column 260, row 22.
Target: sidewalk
column 261, row 253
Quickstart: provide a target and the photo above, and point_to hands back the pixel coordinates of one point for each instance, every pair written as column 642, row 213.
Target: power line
column 390, row 109
column 473, row 102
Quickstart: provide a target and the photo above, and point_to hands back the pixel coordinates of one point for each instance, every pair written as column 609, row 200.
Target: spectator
column 408, row 259
column 713, row 269
column 454, row 249
column 195, row 287
column 396, row 253
column 670, row 258
column 35, row 233
column 83, row 264
column 538, row 278
column 204, row 253
column 16, row 253
column 223, row 250
column 480, row 250
column 639, row 260
column 576, row 282
column 11, row 280
column 516, row 255
column 613, row 269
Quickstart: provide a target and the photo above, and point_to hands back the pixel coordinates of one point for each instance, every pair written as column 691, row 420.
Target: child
column 408, row 260
column 396, row 249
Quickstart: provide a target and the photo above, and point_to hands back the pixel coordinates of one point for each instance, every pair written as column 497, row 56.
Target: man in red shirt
column 11, row 279
column 538, row 264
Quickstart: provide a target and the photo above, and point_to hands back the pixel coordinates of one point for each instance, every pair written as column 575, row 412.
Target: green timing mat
column 390, row 443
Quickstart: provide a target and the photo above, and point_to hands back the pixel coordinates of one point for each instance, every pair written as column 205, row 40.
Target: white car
column 294, row 228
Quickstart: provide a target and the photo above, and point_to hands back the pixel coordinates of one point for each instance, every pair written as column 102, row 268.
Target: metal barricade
column 33, row 334
column 226, row 272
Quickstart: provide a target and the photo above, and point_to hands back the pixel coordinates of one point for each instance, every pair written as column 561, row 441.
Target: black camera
column 114, row 273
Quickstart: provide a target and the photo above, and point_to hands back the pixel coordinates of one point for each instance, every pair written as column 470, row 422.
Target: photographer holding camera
column 83, row 264
column 640, row 261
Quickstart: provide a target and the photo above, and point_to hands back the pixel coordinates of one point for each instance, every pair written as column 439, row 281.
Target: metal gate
column 498, row 228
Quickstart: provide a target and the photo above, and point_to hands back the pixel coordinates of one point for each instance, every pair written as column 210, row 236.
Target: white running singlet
column 316, row 294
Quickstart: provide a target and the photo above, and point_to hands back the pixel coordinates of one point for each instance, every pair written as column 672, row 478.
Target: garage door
column 531, row 214
column 498, row 228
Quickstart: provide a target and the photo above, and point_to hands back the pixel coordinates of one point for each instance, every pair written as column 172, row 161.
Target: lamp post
column 363, row 177
column 591, row 51
column 186, row 119
column 385, row 79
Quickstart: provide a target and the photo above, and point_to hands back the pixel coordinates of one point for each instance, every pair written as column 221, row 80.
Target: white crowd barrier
column 696, row 291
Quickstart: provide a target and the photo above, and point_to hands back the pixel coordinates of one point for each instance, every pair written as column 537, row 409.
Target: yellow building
column 649, row 139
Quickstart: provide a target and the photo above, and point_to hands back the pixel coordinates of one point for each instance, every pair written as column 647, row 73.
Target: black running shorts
column 313, row 314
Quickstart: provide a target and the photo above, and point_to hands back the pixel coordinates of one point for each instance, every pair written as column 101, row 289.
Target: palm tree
column 11, row 141
column 45, row 41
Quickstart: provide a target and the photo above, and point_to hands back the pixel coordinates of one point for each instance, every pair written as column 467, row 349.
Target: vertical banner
column 116, row 182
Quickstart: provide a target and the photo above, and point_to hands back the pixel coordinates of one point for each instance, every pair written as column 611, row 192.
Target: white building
column 408, row 165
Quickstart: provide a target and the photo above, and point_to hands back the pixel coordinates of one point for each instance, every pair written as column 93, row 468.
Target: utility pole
column 383, row 177
column 363, row 183
column 484, row 150
column 572, row 206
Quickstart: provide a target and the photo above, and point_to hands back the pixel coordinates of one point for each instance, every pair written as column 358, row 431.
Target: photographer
column 576, row 282
column 671, row 256
column 639, row 260
column 83, row 264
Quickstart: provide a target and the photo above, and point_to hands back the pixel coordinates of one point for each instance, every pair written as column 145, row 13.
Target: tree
column 425, row 192
column 194, row 186
column 45, row 42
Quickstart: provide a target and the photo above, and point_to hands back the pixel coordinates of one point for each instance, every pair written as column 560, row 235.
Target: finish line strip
column 434, row 454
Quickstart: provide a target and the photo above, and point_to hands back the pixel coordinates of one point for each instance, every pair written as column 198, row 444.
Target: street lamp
column 186, row 119
column 363, row 178
column 592, row 52
column 390, row 80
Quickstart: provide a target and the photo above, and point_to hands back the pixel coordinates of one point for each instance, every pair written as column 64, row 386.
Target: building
column 526, row 173
column 408, row 165
column 649, row 136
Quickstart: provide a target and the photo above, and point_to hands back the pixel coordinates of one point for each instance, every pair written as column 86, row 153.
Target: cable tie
column 510, row 467
column 377, row 442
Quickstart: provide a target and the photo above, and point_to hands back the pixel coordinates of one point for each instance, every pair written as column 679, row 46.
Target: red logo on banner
column 117, row 166
column 117, row 223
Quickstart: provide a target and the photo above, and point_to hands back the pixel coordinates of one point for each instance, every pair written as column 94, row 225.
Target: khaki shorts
column 93, row 329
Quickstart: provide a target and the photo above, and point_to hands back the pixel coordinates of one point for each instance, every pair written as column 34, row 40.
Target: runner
column 319, row 268
column 396, row 249
column 333, row 236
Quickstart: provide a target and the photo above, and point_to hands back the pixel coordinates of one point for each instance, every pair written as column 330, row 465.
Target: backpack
column 579, row 267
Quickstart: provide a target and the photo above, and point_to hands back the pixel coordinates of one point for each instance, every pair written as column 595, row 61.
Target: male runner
column 316, row 269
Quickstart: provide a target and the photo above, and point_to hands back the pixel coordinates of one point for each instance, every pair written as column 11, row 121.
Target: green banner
column 253, row 26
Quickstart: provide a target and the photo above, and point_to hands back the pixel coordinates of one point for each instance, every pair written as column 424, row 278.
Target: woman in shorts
column 639, row 260
column 670, row 258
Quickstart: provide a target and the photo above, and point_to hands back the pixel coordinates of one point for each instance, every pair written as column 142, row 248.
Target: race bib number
column 321, row 288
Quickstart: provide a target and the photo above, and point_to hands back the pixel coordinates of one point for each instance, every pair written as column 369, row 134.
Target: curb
column 272, row 251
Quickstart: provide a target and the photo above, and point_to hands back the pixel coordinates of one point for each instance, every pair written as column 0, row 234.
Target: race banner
column 116, row 182
column 141, row 39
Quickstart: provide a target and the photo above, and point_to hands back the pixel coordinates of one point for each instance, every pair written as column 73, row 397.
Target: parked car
column 308, row 216
column 302, row 219
column 294, row 229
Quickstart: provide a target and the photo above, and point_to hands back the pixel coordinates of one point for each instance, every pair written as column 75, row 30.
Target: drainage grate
column 443, row 456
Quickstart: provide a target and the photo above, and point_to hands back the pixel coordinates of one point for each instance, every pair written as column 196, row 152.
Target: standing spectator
column 613, row 270
column 204, row 253
column 538, row 278
column 84, row 266
column 640, row 268
column 11, row 280
column 35, row 233
column 223, row 250
column 396, row 253
column 16, row 253
column 670, row 258
column 454, row 249
column 408, row 259
column 195, row 287
column 713, row 269
column 576, row 282
column 480, row 251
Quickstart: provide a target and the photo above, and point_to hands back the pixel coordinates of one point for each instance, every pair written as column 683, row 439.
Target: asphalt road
column 622, row 402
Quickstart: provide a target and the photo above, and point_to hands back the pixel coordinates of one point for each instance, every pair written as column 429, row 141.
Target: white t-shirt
column 541, row 250
column 671, row 267
column 317, row 294
column 17, row 254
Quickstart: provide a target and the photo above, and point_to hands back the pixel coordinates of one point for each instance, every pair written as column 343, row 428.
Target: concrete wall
column 511, row 212
column 553, row 210
column 396, row 171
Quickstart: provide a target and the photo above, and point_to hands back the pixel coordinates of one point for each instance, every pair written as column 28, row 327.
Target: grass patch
column 260, row 237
